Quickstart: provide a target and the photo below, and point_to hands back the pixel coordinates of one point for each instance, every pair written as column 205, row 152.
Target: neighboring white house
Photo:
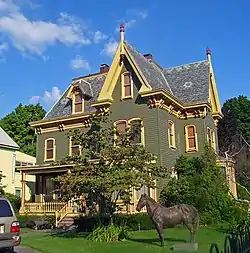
column 10, row 157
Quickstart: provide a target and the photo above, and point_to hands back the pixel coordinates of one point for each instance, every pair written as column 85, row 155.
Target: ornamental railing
column 237, row 242
column 43, row 207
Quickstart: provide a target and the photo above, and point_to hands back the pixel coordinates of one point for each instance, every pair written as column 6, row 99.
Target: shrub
column 14, row 200
column 28, row 221
column 132, row 221
column 110, row 233
column 202, row 183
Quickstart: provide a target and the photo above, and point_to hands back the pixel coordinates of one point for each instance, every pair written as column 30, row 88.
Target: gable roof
column 6, row 141
column 91, row 85
column 154, row 77
column 188, row 83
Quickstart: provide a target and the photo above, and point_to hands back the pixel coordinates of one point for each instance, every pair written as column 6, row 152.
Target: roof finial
column 122, row 32
column 208, row 51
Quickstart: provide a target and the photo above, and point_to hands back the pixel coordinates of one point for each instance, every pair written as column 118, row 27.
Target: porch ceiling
column 42, row 169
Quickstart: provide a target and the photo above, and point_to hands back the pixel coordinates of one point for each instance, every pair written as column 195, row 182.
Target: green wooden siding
column 155, row 123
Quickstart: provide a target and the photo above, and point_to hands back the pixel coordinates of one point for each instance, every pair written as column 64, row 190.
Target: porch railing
column 60, row 214
column 43, row 207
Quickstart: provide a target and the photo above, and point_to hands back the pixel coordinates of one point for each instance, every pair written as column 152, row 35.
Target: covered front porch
column 47, row 199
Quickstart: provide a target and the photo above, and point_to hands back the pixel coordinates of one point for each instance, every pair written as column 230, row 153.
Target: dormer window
column 78, row 102
column 127, row 85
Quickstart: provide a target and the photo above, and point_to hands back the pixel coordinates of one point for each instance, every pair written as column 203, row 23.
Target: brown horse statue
column 163, row 216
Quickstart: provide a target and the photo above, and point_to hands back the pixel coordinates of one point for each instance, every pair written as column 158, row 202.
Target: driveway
column 24, row 250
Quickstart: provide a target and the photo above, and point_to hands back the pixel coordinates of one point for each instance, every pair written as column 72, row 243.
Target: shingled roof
column 90, row 85
column 189, row 83
column 6, row 141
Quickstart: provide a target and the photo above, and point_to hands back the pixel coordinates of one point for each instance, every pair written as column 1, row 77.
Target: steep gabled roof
column 190, row 82
column 155, row 78
column 91, row 85
column 6, row 141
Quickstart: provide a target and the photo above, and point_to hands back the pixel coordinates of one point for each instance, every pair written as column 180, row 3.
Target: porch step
column 66, row 222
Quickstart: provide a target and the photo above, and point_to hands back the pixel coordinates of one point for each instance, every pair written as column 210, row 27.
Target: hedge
column 28, row 221
column 132, row 221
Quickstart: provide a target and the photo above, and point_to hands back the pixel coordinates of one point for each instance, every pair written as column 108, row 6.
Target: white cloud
column 3, row 47
column 99, row 36
column 48, row 97
column 8, row 5
column 79, row 63
column 35, row 99
column 53, row 96
column 133, row 16
column 143, row 14
column 110, row 48
column 34, row 36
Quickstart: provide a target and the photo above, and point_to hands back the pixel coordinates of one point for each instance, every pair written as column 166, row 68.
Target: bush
column 202, row 183
column 132, row 221
column 14, row 200
column 29, row 221
column 110, row 233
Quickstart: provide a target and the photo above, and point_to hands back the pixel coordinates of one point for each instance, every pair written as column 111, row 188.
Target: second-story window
column 49, row 150
column 191, row 138
column 171, row 134
column 78, row 102
column 75, row 148
column 136, row 127
column 127, row 88
column 121, row 126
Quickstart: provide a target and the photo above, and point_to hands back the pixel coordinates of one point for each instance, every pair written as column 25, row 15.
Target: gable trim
column 115, row 71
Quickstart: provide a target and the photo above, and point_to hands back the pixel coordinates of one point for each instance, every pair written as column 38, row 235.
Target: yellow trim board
column 67, row 118
column 170, row 97
column 213, row 92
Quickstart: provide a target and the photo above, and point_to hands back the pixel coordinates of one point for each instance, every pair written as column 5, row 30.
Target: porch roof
column 45, row 168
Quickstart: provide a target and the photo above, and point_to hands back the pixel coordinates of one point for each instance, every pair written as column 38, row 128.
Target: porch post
column 23, row 181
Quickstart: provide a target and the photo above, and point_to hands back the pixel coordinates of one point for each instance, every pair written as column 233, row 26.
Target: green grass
column 141, row 242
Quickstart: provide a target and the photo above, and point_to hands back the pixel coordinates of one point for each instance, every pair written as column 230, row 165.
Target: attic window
column 78, row 102
column 127, row 87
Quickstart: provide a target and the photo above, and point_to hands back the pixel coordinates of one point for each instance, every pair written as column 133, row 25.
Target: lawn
column 140, row 242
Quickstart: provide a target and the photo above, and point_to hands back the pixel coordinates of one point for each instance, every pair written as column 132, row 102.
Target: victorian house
column 178, row 108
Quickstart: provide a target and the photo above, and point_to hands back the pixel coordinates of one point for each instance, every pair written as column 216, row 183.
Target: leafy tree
column 202, row 184
column 233, row 135
column 118, row 165
column 236, row 120
column 1, row 186
column 16, row 124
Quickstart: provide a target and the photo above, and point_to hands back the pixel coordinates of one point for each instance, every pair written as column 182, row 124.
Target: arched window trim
column 142, row 129
column 123, row 85
column 70, row 147
column 128, row 122
column 188, row 149
column 171, row 144
column 45, row 150
column 74, row 101
column 212, row 137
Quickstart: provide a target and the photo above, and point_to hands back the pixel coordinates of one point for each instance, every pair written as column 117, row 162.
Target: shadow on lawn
column 156, row 241
column 70, row 235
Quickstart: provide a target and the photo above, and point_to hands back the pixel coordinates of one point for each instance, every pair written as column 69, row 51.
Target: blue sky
column 44, row 44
